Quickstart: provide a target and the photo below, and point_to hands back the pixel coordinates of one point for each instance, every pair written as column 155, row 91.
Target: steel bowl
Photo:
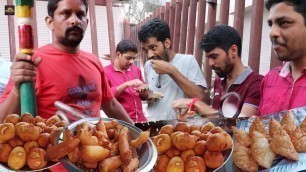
column 147, row 152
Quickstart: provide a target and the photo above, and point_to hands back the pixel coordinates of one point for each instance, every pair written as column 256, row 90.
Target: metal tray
column 147, row 152
column 280, row 164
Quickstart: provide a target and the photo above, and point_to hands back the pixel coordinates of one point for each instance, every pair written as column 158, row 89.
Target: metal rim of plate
column 148, row 164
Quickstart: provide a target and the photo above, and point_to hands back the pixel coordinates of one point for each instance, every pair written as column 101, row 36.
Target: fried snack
column 92, row 165
column 213, row 159
column 261, row 151
column 287, row 122
column 54, row 135
column 102, row 139
column 7, row 132
column 94, row 153
column 208, row 126
column 124, row 148
column 111, row 125
column 43, row 140
column 27, row 117
column 162, row 142
column 114, row 149
column 228, row 141
column 110, row 133
column 35, row 158
column 282, row 145
column 299, row 140
column 60, row 150
column 54, row 119
column 12, row 118
column 184, row 141
column 216, row 130
column 194, row 128
column 173, row 135
column 110, row 164
column 161, row 163
column 185, row 154
column 87, row 138
column 29, row 132
column 303, row 126
column 42, row 126
column 176, row 164
column 101, row 127
column 172, row 152
column 16, row 141
column 17, row 158
column 17, row 127
column 243, row 159
column 205, row 135
column 61, row 124
column 75, row 155
column 132, row 166
column 5, row 150
column 141, row 139
column 200, row 147
column 29, row 145
column 215, row 142
column 39, row 119
column 241, row 136
column 196, row 133
column 258, row 126
column 195, row 163
column 166, row 129
column 274, row 126
column 182, row 126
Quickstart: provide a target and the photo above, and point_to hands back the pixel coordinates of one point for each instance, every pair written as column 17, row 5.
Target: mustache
column 74, row 28
column 275, row 42
column 215, row 68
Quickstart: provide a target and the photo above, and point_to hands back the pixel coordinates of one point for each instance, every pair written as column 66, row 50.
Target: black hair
column 52, row 6
column 154, row 28
column 221, row 36
column 126, row 45
column 298, row 5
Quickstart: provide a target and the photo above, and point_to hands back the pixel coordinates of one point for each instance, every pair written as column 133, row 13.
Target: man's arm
column 199, row 106
column 11, row 105
column 248, row 110
column 114, row 109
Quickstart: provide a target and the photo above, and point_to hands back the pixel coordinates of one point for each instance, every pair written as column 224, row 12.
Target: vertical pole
column 184, row 26
column 177, row 25
column 239, row 16
column 191, row 26
column 92, row 22
column 167, row 13
column 11, row 27
column 255, row 36
column 127, row 28
column 225, row 4
column 111, row 29
column 172, row 18
column 212, row 4
column 200, row 30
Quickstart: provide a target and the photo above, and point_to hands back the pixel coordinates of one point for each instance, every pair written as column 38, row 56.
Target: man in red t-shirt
column 126, row 81
column 62, row 71
column 222, row 45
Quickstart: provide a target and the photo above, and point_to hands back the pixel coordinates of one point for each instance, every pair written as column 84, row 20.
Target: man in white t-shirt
column 172, row 75
column 5, row 73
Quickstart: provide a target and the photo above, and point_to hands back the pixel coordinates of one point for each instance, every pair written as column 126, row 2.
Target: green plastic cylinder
column 28, row 98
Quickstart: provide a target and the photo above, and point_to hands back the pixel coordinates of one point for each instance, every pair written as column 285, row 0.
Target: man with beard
column 222, row 45
column 126, row 81
column 284, row 87
column 61, row 71
column 170, row 74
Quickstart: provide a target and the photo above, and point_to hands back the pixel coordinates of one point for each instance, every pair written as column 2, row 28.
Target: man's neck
column 171, row 55
column 297, row 67
column 117, row 66
column 237, row 71
column 64, row 48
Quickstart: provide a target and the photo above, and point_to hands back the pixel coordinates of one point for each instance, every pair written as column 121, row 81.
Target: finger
column 23, row 72
column 22, row 65
column 37, row 61
column 22, row 57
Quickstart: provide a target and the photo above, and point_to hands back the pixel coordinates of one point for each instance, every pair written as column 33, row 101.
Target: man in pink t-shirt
column 284, row 87
column 126, row 81
column 62, row 71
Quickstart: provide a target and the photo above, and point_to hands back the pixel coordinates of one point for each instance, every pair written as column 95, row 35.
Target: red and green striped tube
column 27, row 89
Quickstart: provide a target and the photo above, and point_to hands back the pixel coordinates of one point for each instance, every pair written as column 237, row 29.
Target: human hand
column 23, row 69
column 162, row 67
column 181, row 103
column 134, row 83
